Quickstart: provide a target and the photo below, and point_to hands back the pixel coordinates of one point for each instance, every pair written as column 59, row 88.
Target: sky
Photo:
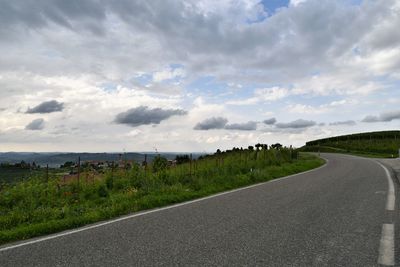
column 194, row 75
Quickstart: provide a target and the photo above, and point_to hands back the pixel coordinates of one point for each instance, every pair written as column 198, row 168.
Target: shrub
column 102, row 191
column 110, row 182
column 159, row 164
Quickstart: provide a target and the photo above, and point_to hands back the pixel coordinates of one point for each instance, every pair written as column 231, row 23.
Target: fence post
column 145, row 165
column 47, row 173
column 86, row 175
column 79, row 169
column 190, row 165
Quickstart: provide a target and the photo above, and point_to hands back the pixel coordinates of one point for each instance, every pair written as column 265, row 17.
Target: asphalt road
column 332, row 216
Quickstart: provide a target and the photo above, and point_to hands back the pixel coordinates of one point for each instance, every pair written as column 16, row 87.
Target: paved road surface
column 333, row 216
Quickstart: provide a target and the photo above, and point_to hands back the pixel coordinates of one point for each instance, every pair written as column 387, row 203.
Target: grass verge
column 33, row 208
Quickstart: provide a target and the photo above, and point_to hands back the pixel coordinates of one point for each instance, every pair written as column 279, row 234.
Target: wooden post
column 79, row 169
column 145, row 164
column 47, row 173
column 190, row 165
column 47, row 179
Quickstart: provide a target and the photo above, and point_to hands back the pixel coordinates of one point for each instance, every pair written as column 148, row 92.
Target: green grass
column 327, row 149
column 384, row 144
column 32, row 207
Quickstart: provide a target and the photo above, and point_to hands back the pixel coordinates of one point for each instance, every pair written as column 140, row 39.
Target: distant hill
column 380, row 144
column 56, row 159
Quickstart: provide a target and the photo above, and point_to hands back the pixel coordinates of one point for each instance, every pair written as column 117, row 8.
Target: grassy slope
column 372, row 144
column 32, row 208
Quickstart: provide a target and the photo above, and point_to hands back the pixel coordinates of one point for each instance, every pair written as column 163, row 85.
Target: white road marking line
column 152, row 211
column 386, row 246
column 391, row 198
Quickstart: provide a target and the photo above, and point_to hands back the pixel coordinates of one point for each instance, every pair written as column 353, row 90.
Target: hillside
column 379, row 144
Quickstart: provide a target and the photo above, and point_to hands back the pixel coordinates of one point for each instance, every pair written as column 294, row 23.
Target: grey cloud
column 389, row 116
column 370, row 118
column 222, row 123
column 348, row 122
column 38, row 14
column 383, row 117
column 144, row 115
column 37, row 124
column 173, row 25
column 47, row 107
column 247, row 126
column 270, row 121
column 297, row 124
column 211, row 123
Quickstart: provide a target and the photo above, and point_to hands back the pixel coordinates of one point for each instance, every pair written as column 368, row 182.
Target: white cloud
column 305, row 109
column 292, row 62
column 262, row 95
column 296, row 2
column 168, row 74
column 331, row 107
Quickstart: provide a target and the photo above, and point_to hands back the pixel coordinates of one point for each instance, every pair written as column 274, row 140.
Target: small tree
column 67, row 164
column 265, row 146
column 159, row 164
column 182, row 159
column 276, row 146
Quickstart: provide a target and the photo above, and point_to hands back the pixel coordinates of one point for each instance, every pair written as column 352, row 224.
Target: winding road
column 341, row 214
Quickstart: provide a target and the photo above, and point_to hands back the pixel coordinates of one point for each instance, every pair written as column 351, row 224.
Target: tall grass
column 35, row 206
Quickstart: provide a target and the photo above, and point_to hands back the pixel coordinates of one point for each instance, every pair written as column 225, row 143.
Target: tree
column 67, row 164
column 265, row 146
column 182, row 159
column 251, row 148
column 276, row 146
column 159, row 164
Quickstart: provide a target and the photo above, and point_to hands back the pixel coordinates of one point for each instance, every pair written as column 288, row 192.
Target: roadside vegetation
column 45, row 204
column 384, row 144
column 11, row 173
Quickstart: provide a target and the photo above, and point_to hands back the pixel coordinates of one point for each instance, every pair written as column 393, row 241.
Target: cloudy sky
column 194, row 75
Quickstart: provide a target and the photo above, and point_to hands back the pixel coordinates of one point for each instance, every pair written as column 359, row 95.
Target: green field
column 34, row 207
column 373, row 144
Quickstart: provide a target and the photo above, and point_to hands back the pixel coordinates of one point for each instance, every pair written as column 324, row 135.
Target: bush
column 110, row 182
column 159, row 164
column 102, row 191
